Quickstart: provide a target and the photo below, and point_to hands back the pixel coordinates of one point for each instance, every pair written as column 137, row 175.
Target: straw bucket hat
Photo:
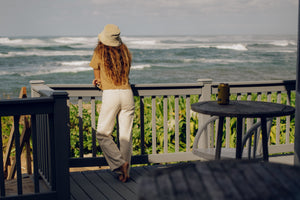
column 110, row 36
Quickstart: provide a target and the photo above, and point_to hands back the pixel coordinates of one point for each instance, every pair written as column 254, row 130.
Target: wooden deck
column 103, row 184
column 95, row 183
column 89, row 185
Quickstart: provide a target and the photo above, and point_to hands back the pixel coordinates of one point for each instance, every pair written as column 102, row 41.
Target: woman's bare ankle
column 124, row 169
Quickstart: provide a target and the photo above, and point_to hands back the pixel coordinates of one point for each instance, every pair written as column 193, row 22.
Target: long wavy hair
column 116, row 62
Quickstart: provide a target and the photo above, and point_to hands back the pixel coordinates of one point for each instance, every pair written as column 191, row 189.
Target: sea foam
column 74, row 40
column 23, row 42
column 46, row 53
column 44, row 71
column 282, row 43
column 237, row 47
column 142, row 66
column 75, row 63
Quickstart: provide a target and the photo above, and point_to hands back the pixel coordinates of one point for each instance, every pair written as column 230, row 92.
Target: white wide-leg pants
column 116, row 103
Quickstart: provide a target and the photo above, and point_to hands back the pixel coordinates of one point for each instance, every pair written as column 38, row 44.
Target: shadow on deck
column 103, row 184
column 89, row 185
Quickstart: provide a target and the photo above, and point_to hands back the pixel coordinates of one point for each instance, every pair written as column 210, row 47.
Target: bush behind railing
column 87, row 128
column 6, row 124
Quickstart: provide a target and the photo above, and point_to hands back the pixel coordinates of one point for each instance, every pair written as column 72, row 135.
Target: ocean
column 156, row 59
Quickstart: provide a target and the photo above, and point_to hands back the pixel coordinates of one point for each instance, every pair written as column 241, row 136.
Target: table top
column 227, row 179
column 243, row 109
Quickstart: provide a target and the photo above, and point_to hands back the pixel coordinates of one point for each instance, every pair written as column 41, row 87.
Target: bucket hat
column 110, row 36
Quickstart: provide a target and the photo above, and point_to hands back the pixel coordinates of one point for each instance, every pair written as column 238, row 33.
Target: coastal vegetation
column 74, row 120
column 6, row 124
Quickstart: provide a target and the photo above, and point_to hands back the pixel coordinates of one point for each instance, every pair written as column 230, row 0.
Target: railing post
column 297, row 131
column 34, row 83
column 297, row 120
column 206, row 96
column 61, row 141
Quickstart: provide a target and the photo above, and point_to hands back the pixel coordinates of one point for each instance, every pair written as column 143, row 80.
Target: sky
column 147, row 17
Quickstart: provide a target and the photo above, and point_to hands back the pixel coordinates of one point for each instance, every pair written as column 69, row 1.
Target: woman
column 111, row 63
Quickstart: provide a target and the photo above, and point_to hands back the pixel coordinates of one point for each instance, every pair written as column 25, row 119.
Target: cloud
column 192, row 7
column 148, row 16
column 199, row 16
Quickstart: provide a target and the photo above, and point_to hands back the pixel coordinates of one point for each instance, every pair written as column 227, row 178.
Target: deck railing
column 200, row 91
column 49, row 134
column 271, row 91
column 49, row 115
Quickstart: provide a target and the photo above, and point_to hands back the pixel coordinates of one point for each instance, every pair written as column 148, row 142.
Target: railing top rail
column 258, row 83
column 164, row 89
column 26, row 106
column 16, row 101
column 178, row 85
column 71, row 86
column 138, row 89
column 258, row 86
column 134, row 86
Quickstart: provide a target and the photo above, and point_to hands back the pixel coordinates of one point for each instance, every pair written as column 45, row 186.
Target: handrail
column 49, row 144
column 203, row 89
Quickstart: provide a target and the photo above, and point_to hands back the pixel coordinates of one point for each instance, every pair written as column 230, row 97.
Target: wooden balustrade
column 203, row 90
column 49, row 116
column 49, row 133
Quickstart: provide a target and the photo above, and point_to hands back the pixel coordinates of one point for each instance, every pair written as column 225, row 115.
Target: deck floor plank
column 113, row 182
column 89, row 187
column 108, row 191
column 130, row 185
column 104, row 184
column 76, row 191
column 136, row 172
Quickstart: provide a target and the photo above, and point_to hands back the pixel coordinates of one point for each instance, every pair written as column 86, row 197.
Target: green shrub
column 6, row 123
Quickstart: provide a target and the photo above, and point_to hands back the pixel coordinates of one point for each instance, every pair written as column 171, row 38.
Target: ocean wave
column 143, row 42
column 86, row 63
column 75, row 63
column 158, row 43
column 163, row 44
column 283, row 43
column 274, row 43
column 22, row 42
column 6, row 40
column 222, row 61
column 139, row 67
column 6, row 73
column 70, row 69
column 237, row 47
column 75, row 40
column 280, row 51
column 46, row 53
